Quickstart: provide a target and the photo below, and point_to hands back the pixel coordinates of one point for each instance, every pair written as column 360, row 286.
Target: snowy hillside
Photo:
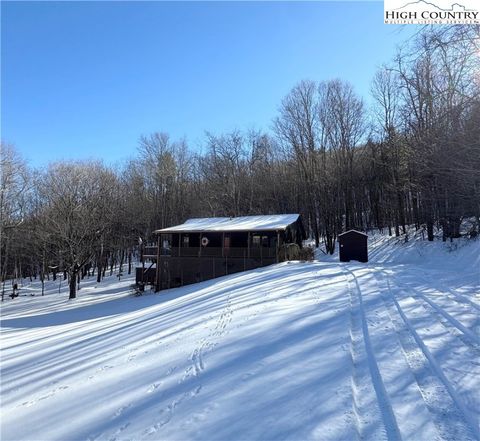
column 298, row 351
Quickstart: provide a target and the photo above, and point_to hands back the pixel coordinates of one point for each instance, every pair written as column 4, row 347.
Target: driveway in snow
column 328, row 351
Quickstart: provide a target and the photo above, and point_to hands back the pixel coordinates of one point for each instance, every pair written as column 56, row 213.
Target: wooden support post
column 200, row 244
column 278, row 244
column 157, row 269
column 179, row 244
column 248, row 244
column 223, row 244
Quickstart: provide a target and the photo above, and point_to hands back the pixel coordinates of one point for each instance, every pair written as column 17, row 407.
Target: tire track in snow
column 367, row 403
column 460, row 364
column 445, row 318
column 444, row 414
column 472, row 339
column 458, row 335
column 450, row 293
column 359, row 383
column 413, row 421
column 448, row 412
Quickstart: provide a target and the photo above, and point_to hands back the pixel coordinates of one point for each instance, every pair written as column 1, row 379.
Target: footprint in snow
column 246, row 376
column 171, row 370
column 28, row 403
column 118, row 432
column 104, row 368
column 153, row 387
column 196, row 391
column 120, row 410
column 151, row 430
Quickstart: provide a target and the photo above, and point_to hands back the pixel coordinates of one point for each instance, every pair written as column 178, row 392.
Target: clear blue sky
column 86, row 79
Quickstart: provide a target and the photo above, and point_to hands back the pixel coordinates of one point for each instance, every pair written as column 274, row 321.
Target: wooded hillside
column 411, row 158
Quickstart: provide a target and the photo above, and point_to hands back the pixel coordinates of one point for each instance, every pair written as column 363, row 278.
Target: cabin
column 205, row 248
column 353, row 246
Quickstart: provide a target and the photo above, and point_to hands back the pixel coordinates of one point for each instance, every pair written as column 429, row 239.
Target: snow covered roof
column 243, row 223
column 354, row 231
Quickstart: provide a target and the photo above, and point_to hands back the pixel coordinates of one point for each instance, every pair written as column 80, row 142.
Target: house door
column 226, row 245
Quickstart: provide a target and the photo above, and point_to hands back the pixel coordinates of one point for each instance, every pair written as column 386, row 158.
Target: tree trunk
column 430, row 230
column 112, row 263
column 73, row 284
column 122, row 258
column 445, row 230
column 455, row 227
column 99, row 270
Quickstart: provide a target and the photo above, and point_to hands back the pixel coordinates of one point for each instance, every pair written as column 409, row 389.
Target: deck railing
column 233, row 252
column 151, row 251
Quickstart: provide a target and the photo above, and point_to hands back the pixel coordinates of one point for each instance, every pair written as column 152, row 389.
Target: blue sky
column 86, row 79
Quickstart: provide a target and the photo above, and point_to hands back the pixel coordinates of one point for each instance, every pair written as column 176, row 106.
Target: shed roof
column 244, row 223
column 353, row 231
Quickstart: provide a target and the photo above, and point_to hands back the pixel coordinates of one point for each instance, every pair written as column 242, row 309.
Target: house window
column 186, row 241
column 258, row 241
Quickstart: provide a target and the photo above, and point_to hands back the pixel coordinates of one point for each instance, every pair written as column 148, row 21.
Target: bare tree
column 77, row 200
column 342, row 120
column 14, row 180
column 296, row 126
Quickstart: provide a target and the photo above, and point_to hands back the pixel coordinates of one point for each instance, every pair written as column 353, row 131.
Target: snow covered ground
column 298, row 351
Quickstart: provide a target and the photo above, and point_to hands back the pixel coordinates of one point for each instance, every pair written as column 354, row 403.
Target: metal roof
column 244, row 223
column 353, row 231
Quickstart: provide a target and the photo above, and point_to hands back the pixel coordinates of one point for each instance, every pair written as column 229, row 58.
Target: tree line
column 410, row 158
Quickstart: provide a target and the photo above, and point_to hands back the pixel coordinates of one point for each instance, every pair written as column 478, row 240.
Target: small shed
column 353, row 246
